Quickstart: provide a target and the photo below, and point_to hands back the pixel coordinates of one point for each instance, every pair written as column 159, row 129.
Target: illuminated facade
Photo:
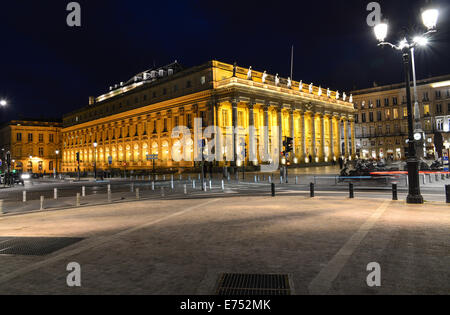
column 382, row 124
column 33, row 145
column 136, row 118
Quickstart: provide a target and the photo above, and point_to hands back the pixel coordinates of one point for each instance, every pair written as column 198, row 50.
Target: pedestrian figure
column 341, row 162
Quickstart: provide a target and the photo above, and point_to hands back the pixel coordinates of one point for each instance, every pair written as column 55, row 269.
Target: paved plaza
column 181, row 246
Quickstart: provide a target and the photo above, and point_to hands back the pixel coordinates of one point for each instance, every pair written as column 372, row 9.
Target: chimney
column 91, row 100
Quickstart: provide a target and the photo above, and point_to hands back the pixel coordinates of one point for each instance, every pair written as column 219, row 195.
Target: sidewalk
column 182, row 246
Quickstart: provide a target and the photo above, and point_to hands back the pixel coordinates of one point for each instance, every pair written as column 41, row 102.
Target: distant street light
column 3, row 103
column 406, row 46
column 95, row 159
column 57, row 153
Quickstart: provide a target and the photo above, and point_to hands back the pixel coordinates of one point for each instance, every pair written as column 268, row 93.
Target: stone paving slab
column 181, row 246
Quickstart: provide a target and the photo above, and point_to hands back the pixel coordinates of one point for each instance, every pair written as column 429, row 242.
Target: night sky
column 49, row 69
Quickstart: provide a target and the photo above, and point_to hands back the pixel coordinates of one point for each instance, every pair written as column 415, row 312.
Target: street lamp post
column 95, row 160
column 56, row 166
column 406, row 46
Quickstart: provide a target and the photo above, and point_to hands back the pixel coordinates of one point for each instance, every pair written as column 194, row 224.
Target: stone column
column 338, row 136
column 346, row 137
column 322, row 136
column 332, row 154
column 313, row 131
column 251, row 135
column 234, row 125
column 352, row 132
column 303, row 136
column 266, row 131
column 280, row 129
column 292, row 123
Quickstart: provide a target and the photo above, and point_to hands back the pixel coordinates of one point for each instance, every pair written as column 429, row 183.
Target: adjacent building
column 135, row 118
column 33, row 146
column 381, row 119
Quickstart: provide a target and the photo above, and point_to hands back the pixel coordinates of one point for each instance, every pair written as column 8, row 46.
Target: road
column 123, row 190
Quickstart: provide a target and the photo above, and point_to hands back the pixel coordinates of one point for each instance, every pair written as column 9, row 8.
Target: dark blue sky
column 48, row 69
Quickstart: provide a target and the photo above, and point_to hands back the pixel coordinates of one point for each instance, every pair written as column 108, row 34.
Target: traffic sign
column 151, row 157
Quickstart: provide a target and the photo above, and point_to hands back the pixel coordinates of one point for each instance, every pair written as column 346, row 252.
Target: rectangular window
column 425, row 97
column 19, row 137
column 41, row 137
column 363, row 117
column 177, row 120
column 394, row 101
column 165, row 125
column 426, row 110
column 379, row 116
column 51, row 138
column 388, row 114
column 438, row 108
column 371, row 116
column 395, row 113
column 41, row 152
column 224, row 118
column 405, row 112
column 388, row 129
column 30, row 137
column 240, row 119
column 386, row 102
column 438, row 95
column 189, row 120
column 154, row 127
column 378, row 103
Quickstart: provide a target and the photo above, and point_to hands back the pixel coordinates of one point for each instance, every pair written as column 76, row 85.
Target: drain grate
column 34, row 246
column 253, row 284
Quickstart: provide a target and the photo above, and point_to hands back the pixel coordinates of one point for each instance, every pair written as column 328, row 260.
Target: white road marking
column 321, row 284
column 95, row 243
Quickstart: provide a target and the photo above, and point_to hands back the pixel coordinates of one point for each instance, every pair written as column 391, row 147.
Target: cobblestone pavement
column 181, row 246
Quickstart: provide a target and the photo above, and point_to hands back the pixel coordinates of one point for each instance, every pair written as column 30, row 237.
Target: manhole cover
column 34, row 246
column 253, row 284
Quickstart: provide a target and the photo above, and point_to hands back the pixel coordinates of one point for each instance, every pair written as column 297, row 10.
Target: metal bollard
column 156, row 177
column 447, row 193
column 223, row 185
column 273, row 189
column 171, row 184
column 270, row 179
column 132, row 187
column 199, row 177
column 24, row 196
column 185, row 189
column 83, row 191
column 55, row 193
column 256, row 179
column 394, row 192
column 193, row 184
column 181, row 177
column 109, row 195
column 281, row 179
column 109, row 188
column 78, row 200
column 351, row 191
column 42, row 203
column 138, row 196
column 311, row 190
column 210, row 184
column 296, row 180
column 164, row 177
column 204, row 186
column 228, row 177
column 162, row 192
